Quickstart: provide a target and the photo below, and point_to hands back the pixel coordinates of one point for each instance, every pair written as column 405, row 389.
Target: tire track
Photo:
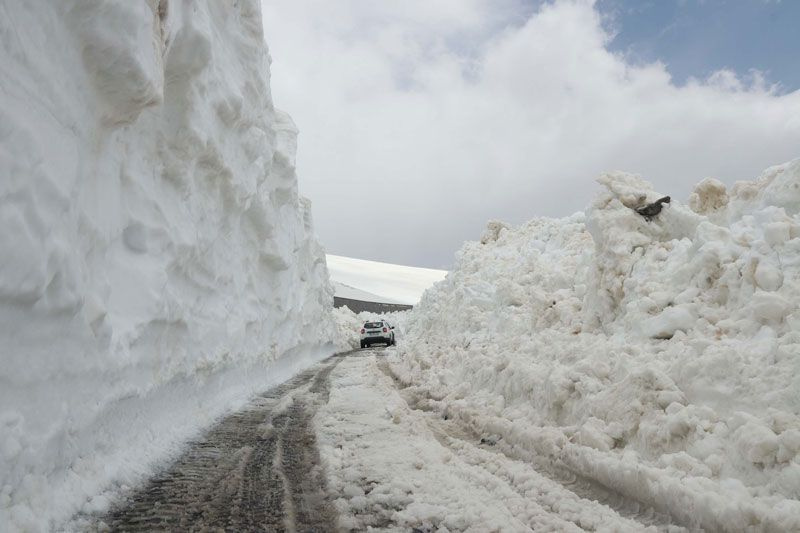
column 256, row 470
column 458, row 437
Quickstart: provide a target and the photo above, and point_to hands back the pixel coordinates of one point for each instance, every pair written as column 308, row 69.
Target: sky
column 420, row 121
column 696, row 38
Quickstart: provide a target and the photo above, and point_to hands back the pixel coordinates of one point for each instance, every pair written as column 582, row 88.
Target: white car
column 377, row 332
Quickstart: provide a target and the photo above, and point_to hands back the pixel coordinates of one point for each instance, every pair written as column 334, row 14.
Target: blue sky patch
column 695, row 38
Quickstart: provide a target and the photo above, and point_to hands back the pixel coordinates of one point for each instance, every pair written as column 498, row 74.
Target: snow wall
column 158, row 265
column 660, row 358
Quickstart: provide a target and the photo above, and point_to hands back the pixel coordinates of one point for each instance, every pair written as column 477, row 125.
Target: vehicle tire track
column 456, row 436
column 257, row 470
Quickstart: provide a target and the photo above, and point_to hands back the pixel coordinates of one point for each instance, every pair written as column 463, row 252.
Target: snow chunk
column 493, row 230
column 768, row 276
column 709, row 196
column 670, row 320
column 770, row 306
column 783, row 189
column 593, row 434
column 777, row 233
column 757, row 442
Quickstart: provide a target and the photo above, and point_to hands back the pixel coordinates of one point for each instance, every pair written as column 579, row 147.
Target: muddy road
column 256, row 470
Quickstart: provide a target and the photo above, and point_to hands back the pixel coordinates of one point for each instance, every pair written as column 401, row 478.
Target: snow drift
column 659, row 358
column 158, row 264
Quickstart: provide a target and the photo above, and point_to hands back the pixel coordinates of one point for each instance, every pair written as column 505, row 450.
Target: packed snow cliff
column 660, row 358
column 158, row 264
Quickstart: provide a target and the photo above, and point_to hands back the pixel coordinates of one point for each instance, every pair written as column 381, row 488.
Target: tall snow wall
column 659, row 358
column 158, row 265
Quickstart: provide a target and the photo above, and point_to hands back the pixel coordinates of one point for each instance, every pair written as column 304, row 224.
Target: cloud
column 422, row 120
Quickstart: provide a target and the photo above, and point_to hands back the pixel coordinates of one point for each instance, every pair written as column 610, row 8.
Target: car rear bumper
column 370, row 340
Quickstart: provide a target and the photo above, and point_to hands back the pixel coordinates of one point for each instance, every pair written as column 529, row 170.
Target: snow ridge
column 659, row 357
column 155, row 248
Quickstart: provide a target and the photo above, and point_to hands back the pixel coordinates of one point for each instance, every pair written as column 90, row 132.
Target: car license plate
column 374, row 333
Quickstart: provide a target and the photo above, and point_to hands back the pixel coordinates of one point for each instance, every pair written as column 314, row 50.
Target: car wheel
column 363, row 345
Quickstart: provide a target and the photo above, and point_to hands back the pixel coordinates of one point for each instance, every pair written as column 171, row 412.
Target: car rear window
column 373, row 325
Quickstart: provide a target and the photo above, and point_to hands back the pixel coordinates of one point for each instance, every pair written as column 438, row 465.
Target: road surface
column 257, row 470
column 344, row 447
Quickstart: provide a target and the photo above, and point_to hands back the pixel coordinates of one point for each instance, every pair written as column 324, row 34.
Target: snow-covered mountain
column 342, row 290
column 659, row 358
column 391, row 283
column 158, row 265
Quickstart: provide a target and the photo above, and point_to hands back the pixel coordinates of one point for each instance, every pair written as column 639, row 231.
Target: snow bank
column 158, row 263
column 660, row 358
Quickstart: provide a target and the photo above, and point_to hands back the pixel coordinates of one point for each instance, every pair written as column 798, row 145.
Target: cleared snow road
column 257, row 470
column 393, row 464
column 342, row 447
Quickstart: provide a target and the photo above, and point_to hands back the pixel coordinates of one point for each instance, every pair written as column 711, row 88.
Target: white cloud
column 421, row 120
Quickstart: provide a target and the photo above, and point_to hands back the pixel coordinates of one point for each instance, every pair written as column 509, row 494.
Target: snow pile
column 659, row 358
column 158, row 263
column 348, row 325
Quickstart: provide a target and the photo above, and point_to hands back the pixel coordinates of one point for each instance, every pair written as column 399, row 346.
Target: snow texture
column 660, row 358
column 158, row 264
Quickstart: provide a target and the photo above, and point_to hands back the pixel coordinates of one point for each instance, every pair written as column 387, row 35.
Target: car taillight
column 385, row 330
column 363, row 330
